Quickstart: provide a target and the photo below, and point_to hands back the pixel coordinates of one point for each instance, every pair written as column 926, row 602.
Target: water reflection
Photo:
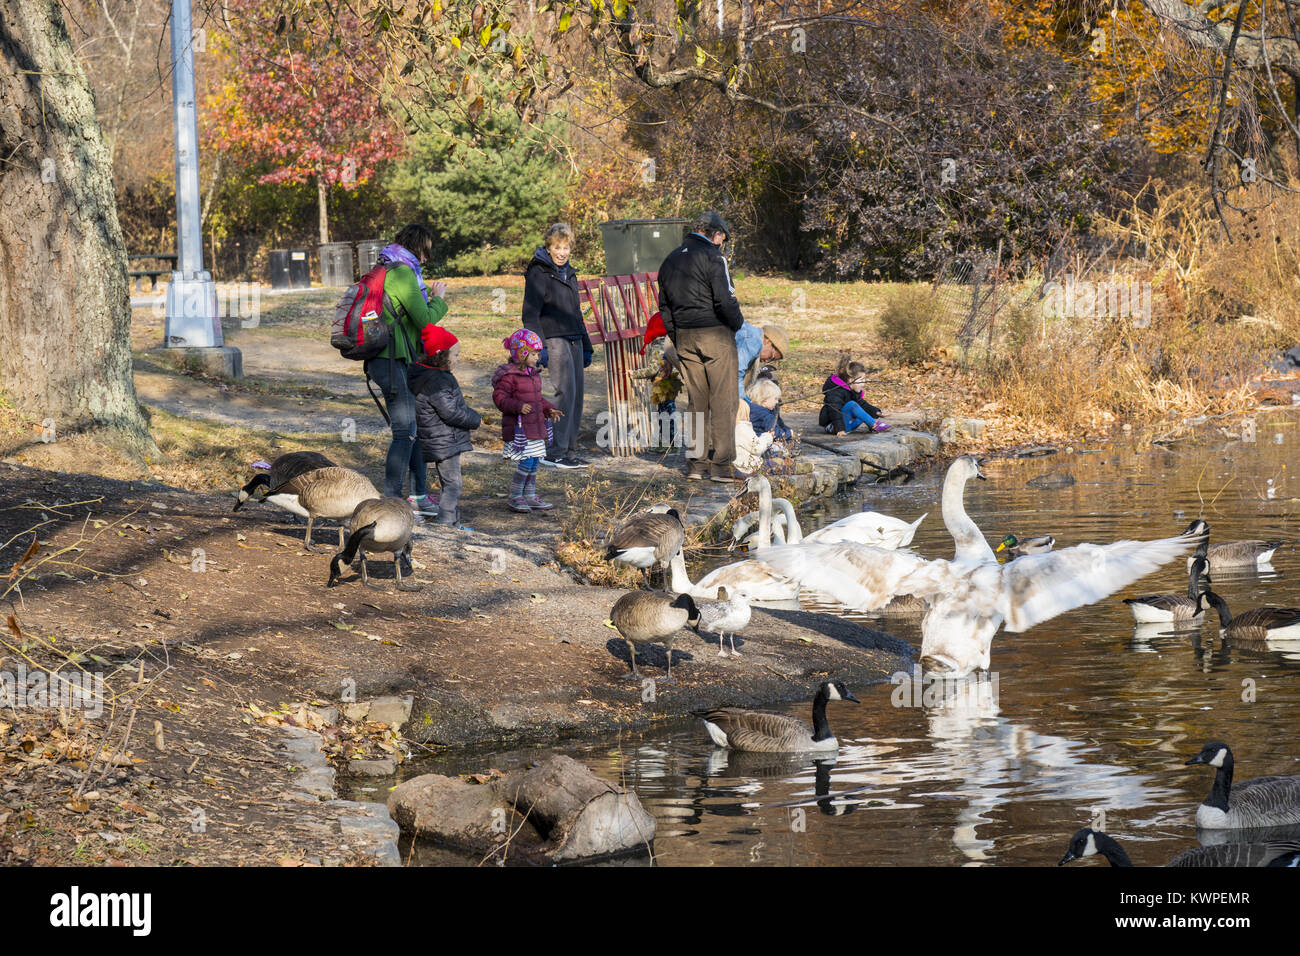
column 1090, row 712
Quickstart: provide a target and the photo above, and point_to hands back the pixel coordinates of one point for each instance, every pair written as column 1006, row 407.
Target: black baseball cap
column 713, row 222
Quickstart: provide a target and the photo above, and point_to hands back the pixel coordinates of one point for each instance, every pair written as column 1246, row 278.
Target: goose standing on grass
column 1089, row 842
column 1241, row 554
column 766, row 732
column 1179, row 608
column 1257, row 624
column 870, row 528
column 283, row 470
column 383, row 525
column 649, row 617
column 649, row 540
column 1261, row 802
column 726, row 616
column 332, row 493
column 1018, row 547
column 972, row 596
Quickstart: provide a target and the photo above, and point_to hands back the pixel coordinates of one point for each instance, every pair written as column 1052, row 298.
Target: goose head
column 1214, row 754
column 1083, row 843
column 835, row 690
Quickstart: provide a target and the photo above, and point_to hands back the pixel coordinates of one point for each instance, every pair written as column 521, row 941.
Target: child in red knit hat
column 442, row 419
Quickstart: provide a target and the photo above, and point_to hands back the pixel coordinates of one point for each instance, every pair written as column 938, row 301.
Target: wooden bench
column 139, row 275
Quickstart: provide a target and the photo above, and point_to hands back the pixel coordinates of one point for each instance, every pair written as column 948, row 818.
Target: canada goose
column 1180, row 608
column 729, row 614
column 766, row 732
column 1088, row 842
column 1257, row 624
column 869, row 527
column 1241, row 554
column 648, row 540
column 647, row 617
column 380, row 524
column 283, row 469
column 328, row 493
column 1261, row 802
column 969, row 599
column 1016, row 547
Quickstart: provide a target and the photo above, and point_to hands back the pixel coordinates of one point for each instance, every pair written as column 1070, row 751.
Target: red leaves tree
column 308, row 105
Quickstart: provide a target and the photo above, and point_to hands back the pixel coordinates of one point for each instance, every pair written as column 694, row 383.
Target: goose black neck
column 1111, row 850
column 1220, row 605
column 1218, row 797
column 1194, row 580
column 821, row 729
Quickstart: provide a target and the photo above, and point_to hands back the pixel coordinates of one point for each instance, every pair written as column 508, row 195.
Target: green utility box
column 640, row 245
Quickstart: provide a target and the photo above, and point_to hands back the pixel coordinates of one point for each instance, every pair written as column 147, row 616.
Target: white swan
column 969, row 598
column 754, row 577
column 869, row 527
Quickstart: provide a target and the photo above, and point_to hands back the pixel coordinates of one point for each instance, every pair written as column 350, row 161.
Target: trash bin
column 336, row 264
column 640, row 245
column 289, row 269
column 368, row 254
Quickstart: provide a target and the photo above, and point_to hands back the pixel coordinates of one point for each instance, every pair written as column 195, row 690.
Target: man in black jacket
column 700, row 311
column 553, row 311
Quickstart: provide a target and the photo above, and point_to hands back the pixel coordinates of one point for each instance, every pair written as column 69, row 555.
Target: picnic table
column 139, row 275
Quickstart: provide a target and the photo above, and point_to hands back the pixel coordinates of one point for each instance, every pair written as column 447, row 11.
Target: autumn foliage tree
column 307, row 105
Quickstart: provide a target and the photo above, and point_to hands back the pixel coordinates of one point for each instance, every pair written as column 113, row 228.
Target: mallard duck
column 1016, row 547
column 1261, row 802
column 766, row 732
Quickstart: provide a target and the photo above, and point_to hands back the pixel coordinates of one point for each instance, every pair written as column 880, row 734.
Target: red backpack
column 359, row 331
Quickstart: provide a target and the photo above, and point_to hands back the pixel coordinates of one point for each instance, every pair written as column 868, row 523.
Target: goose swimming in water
column 969, row 598
column 1257, row 624
column 766, row 732
column 1089, row 842
column 1261, row 802
column 1241, row 554
column 1179, row 608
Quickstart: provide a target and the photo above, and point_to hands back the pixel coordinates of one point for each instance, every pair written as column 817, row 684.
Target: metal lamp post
column 193, row 319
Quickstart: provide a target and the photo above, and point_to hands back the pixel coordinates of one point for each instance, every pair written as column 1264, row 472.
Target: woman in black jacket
column 442, row 418
column 552, row 310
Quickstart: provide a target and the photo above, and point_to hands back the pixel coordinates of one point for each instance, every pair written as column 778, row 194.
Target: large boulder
column 555, row 811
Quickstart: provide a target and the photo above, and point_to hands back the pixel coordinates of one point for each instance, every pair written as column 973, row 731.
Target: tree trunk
column 323, row 191
column 65, row 315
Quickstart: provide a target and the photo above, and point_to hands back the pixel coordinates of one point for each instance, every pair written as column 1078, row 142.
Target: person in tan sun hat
column 755, row 347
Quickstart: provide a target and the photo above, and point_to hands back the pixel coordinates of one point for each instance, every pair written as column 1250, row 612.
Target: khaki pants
column 710, row 369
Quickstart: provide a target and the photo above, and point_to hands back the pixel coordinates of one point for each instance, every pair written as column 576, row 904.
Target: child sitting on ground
column 764, row 398
column 844, row 406
column 443, row 421
column 525, row 417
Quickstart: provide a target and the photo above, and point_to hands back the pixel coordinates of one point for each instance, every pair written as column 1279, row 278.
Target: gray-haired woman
column 553, row 311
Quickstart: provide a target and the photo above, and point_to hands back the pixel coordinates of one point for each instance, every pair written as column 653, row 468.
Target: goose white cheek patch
column 1218, row 759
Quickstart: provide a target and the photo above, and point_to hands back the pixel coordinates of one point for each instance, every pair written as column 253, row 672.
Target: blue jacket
column 768, row 420
column 749, row 345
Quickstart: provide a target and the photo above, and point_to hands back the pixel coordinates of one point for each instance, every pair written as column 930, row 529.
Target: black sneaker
column 552, row 462
column 570, row 462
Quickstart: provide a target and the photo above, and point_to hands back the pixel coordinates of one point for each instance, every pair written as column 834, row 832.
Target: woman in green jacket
column 409, row 306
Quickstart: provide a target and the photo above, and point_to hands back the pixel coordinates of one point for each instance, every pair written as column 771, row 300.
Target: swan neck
column 964, row 531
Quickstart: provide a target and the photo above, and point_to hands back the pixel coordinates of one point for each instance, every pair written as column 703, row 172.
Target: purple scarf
column 400, row 254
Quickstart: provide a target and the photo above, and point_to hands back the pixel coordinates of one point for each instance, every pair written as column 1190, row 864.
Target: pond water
column 1081, row 714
